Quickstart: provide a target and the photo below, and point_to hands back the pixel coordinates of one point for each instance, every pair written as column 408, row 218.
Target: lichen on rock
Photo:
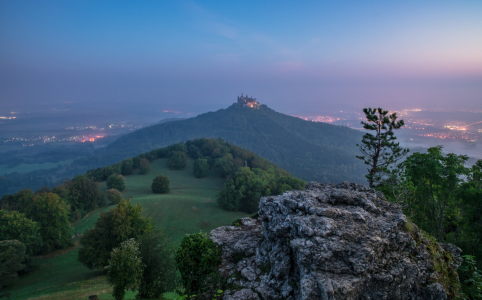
column 334, row 241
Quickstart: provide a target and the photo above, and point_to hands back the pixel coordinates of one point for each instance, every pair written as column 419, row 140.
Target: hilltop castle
column 246, row 101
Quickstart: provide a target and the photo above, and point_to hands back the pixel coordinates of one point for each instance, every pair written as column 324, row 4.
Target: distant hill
column 308, row 150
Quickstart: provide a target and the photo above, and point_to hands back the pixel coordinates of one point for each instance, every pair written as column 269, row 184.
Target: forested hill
column 308, row 150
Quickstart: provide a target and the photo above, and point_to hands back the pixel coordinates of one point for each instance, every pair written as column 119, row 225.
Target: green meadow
column 190, row 207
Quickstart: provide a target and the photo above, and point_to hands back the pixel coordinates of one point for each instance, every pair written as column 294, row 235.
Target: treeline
column 444, row 198
column 249, row 176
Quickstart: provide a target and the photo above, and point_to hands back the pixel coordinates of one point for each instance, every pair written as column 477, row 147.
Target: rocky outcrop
column 333, row 242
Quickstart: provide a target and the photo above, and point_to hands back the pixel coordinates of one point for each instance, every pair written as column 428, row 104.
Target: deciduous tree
column 159, row 274
column 116, row 182
column 160, row 184
column 144, row 166
column 52, row 215
column 15, row 226
column 111, row 229
column 177, row 161
column 125, row 268
column 12, row 256
column 201, row 168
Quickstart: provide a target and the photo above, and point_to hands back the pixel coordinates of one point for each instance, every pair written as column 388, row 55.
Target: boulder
column 334, row 241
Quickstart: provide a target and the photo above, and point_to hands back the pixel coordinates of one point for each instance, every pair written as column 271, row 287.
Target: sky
column 294, row 56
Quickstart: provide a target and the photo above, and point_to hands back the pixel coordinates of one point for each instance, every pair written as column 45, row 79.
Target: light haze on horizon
column 293, row 56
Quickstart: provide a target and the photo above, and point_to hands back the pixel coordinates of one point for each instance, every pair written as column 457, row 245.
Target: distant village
column 246, row 101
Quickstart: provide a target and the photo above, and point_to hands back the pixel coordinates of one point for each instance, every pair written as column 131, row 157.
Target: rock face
column 330, row 242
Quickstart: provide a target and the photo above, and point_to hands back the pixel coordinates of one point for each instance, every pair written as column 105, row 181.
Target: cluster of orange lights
column 324, row 119
column 84, row 139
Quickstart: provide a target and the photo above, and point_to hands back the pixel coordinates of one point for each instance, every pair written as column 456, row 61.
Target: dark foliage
column 15, row 226
column 159, row 274
column 18, row 201
column 113, row 196
column 12, row 258
column 160, row 184
column 127, row 167
column 116, row 182
column 111, row 229
column 144, row 166
column 82, row 194
column 197, row 259
column 177, row 161
column 52, row 215
column 201, row 167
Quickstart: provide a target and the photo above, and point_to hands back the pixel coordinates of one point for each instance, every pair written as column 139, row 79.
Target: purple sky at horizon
column 294, row 56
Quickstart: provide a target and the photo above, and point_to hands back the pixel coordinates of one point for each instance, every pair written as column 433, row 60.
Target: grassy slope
column 180, row 212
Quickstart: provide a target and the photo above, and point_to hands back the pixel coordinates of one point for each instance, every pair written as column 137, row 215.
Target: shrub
column 197, row 259
column 201, row 168
column 15, row 226
column 12, row 256
column 113, row 195
column 127, row 167
column 125, row 268
column 160, row 185
column 111, row 229
column 159, row 275
column 177, row 161
column 144, row 166
column 116, row 182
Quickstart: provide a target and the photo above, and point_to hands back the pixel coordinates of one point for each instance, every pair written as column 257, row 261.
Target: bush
column 125, row 268
column 127, row 167
column 12, row 256
column 111, row 229
column 113, row 195
column 160, row 185
column 116, row 182
column 144, row 166
column 201, row 168
column 197, row 259
column 177, row 161
column 52, row 215
column 15, row 226
column 159, row 275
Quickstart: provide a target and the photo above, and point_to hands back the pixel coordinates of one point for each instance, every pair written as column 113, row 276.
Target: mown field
column 190, row 207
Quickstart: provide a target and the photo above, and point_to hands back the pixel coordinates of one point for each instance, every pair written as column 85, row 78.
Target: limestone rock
column 329, row 241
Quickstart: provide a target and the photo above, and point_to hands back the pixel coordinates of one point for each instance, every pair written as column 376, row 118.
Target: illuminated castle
column 246, row 101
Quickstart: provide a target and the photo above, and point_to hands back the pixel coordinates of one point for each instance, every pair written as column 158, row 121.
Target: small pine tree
column 379, row 151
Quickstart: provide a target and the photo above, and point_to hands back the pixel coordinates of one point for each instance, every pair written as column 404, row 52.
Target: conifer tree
column 380, row 150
